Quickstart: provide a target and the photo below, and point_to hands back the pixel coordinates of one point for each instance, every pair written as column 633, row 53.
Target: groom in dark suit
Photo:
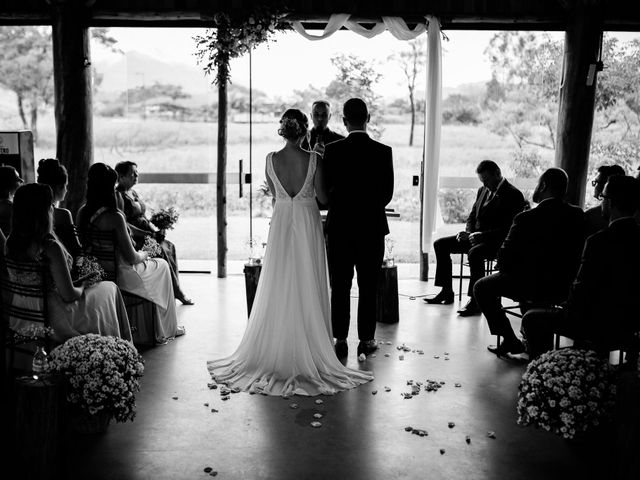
column 359, row 175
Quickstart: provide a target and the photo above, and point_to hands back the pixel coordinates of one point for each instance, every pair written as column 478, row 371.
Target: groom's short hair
column 355, row 111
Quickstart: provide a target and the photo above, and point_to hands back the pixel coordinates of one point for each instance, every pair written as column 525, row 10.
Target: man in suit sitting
column 537, row 261
column 496, row 204
column 595, row 219
column 359, row 173
column 602, row 306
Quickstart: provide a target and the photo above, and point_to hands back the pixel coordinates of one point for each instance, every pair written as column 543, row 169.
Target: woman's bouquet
column 566, row 391
column 152, row 247
column 103, row 373
column 165, row 218
column 88, row 270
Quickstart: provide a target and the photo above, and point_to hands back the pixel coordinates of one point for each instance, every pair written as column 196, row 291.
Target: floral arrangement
column 152, row 247
column 33, row 332
column 165, row 218
column 233, row 36
column 103, row 373
column 566, row 391
column 88, row 266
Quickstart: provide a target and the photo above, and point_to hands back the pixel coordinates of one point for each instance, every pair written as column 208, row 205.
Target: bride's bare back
column 291, row 167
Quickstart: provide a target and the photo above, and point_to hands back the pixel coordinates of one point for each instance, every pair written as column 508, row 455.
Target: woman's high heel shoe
column 444, row 298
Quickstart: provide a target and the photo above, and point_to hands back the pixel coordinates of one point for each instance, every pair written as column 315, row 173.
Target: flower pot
column 86, row 424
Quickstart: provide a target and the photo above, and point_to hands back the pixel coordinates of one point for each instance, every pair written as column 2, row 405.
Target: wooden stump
column 628, row 426
column 40, row 413
column 387, row 296
column 251, row 278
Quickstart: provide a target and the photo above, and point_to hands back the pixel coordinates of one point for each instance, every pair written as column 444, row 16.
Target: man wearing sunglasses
column 595, row 220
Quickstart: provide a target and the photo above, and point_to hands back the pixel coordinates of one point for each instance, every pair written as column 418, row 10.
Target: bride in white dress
column 287, row 347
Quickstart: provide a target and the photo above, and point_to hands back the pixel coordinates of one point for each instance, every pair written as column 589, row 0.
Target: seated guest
column 537, row 261
column 52, row 173
column 595, row 220
column 135, row 211
column 148, row 278
column 9, row 183
column 602, row 306
column 496, row 204
column 75, row 308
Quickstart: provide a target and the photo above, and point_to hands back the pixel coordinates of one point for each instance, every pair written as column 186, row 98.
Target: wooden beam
column 73, row 96
column 577, row 96
column 221, row 184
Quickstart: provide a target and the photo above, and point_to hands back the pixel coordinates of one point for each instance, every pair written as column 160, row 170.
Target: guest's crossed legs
column 476, row 255
column 366, row 256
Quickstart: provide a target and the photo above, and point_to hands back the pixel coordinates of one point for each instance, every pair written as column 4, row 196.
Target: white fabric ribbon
column 396, row 26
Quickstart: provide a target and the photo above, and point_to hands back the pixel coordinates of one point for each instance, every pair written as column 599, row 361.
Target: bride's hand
column 319, row 149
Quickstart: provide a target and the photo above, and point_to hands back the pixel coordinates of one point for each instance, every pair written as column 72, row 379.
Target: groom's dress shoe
column 342, row 349
column 508, row 348
column 367, row 347
column 470, row 309
column 444, row 298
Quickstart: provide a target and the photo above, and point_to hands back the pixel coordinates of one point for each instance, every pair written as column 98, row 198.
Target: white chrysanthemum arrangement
column 103, row 373
column 566, row 391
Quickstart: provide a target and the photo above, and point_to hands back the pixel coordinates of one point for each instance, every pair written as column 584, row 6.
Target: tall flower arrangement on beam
column 234, row 36
column 231, row 37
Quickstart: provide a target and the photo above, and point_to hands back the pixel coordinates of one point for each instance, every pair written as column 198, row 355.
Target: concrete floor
column 362, row 435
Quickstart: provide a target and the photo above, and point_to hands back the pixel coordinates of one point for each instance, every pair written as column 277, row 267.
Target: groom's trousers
column 346, row 251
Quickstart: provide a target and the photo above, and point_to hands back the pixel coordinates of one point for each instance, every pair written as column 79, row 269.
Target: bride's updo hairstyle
column 293, row 124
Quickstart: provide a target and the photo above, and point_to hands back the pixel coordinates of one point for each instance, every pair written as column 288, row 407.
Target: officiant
column 320, row 133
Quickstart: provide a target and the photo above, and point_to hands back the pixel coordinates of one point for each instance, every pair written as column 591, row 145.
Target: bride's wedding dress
column 287, row 347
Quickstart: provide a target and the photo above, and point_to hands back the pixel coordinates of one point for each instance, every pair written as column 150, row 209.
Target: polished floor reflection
column 175, row 436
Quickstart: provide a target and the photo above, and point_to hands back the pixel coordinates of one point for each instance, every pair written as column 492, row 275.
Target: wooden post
column 251, row 279
column 387, row 309
column 577, row 94
column 40, row 412
column 221, row 182
column 73, row 96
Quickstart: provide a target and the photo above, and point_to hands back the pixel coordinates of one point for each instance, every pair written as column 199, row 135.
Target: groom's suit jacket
column 359, row 174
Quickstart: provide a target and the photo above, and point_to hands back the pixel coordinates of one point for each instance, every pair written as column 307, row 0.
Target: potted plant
column 103, row 374
column 567, row 391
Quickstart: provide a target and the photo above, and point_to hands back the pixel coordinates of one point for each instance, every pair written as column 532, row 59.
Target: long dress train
column 287, row 347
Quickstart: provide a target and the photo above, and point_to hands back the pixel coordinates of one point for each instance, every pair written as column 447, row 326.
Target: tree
column 412, row 61
column 26, row 63
column 356, row 78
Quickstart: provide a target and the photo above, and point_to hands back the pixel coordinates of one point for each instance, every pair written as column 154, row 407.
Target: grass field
column 167, row 146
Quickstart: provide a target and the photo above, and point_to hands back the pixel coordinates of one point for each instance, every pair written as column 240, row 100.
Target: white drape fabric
column 396, row 26
column 432, row 127
column 433, row 108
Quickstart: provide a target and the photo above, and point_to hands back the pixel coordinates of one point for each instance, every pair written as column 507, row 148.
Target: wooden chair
column 141, row 312
column 24, row 304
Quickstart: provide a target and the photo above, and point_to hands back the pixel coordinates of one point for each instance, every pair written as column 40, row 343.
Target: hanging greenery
column 233, row 36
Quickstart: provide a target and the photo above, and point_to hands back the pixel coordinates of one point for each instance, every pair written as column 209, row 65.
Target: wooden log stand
column 39, row 427
column 251, row 278
column 387, row 295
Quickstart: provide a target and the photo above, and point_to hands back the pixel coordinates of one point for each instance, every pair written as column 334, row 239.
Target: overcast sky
column 293, row 62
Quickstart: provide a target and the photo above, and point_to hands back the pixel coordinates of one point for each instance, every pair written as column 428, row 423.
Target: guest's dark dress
column 6, row 209
column 134, row 210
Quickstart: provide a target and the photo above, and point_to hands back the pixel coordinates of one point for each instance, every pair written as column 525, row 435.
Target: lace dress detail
column 287, row 347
